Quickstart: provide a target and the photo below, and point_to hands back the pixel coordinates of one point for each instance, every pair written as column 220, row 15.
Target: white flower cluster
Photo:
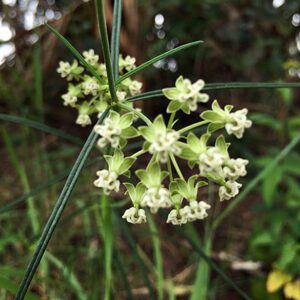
column 84, row 88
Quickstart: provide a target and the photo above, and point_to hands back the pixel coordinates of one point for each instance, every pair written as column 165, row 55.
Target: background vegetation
column 94, row 254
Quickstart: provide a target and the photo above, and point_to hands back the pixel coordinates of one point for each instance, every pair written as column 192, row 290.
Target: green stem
column 171, row 120
column 174, row 162
column 105, row 48
column 139, row 153
column 138, row 113
column 170, row 169
column 190, row 127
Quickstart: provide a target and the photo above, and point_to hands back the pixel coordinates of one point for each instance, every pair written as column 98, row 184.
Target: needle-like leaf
column 57, row 212
column 152, row 61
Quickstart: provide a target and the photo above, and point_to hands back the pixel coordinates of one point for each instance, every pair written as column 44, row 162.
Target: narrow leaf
column 75, row 52
column 156, row 59
column 115, row 37
column 57, row 212
column 41, row 127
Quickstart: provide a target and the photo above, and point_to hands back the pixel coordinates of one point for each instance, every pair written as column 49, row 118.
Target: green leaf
column 221, row 144
column 57, row 212
column 126, row 120
column 147, row 133
column 211, row 116
column 41, row 127
column 171, row 93
column 115, row 37
column 173, row 106
column 193, row 141
column 126, row 164
column 222, row 86
column 105, row 47
column 156, row 59
column 129, row 133
column 76, row 53
column 212, row 127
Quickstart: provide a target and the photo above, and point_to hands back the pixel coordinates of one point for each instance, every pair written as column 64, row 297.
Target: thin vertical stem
column 115, row 37
column 105, row 48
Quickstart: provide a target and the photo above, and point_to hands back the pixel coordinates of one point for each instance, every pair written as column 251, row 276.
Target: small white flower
column 135, row 87
column 230, row 190
column 110, row 133
column 237, row 122
column 90, row 86
column 211, row 160
column 165, row 143
column 235, row 168
column 70, row 71
column 121, row 95
column 64, row 69
column 83, row 120
column 135, row 216
column 196, row 210
column 91, row 57
column 108, row 180
column 129, row 63
column 69, row 99
column 156, row 198
column 177, row 217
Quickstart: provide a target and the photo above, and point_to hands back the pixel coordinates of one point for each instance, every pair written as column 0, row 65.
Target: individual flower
column 162, row 141
column 135, row 215
column 177, row 217
column 229, row 190
column 70, row 71
column 211, row 161
column 127, row 63
column 107, row 180
column 156, row 195
column 70, row 98
column 115, row 130
column 185, row 95
column 135, row 87
column 83, row 118
column 90, row 85
column 196, row 210
column 117, row 165
column 234, row 122
column 155, row 198
column 121, row 95
column 237, row 122
column 234, row 168
column 90, row 57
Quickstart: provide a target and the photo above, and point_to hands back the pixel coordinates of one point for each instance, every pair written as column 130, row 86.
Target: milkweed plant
column 161, row 184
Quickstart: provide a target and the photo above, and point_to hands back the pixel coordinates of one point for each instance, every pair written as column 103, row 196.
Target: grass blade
column 157, row 257
column 115, row 37
column 57, row 212
column 253, row 183
column 223, row 86
column 69, row 276
column 41, row 127
column 214, row 266
column 133, row 245
column 75, row 52
column 156, row 59
column 55, row 180
column 105, row 48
